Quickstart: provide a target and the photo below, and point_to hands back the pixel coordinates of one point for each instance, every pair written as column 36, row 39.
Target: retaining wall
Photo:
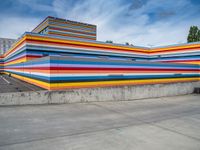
column 98, row 94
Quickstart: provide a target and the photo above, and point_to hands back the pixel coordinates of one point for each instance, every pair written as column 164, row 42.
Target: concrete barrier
column 98, row 94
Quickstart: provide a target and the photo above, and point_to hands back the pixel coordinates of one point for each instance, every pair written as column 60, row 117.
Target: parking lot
column 10, row 84
column 168, row 123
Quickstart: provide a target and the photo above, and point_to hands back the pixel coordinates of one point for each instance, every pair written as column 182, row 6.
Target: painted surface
column 56, row 62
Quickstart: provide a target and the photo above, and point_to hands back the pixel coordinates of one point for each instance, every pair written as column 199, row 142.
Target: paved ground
column 10, row 84
column 171, row 123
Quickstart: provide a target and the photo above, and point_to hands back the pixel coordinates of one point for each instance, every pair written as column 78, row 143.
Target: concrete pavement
column 168, row 123
column 10, row 84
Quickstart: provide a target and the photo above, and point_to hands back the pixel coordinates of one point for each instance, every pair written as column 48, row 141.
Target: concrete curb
column 98, row 94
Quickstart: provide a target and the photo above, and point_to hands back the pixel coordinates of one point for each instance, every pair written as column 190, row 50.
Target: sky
column 138, row 22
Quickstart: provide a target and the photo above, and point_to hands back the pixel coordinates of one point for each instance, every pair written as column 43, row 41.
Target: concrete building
column 5, row 44
column 61, row 54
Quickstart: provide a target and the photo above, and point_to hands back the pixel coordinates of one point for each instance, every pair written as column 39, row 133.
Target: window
column 44, row 31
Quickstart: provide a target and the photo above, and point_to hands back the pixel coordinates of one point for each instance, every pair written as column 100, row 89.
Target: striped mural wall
column 56, row 62
column 183, row 53
column 56, row 73
column 32, row 46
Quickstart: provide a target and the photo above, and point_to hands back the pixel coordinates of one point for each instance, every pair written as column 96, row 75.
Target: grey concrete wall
column 98, row 94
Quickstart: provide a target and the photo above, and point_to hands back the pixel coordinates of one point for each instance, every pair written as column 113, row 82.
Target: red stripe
column 179, row 60
column 106, row 69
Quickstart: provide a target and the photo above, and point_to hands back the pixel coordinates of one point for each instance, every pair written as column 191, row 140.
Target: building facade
column 56, row 62
column 5, row 44
column 66, row 28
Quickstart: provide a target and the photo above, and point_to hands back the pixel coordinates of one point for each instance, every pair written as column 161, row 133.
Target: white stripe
column 5, row 79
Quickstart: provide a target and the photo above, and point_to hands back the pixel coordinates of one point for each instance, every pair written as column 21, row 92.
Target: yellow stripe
column 42, row 84
column 82, row 43
column 192, row 62
column 16, row 61
column 124, row 82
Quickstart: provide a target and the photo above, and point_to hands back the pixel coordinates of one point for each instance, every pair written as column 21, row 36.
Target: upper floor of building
column 66, row 28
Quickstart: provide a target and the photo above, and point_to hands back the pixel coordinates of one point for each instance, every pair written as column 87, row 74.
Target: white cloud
column 115, row 21
column 14, row 27
column 118, row 20
column 36, row 5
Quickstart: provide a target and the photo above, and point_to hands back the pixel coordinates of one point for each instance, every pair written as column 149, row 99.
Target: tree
column 198, row 35
column 109, row 41
column 127, row 43
column 194, row 34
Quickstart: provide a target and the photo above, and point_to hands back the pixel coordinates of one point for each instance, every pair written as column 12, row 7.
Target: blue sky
column 140, row 22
